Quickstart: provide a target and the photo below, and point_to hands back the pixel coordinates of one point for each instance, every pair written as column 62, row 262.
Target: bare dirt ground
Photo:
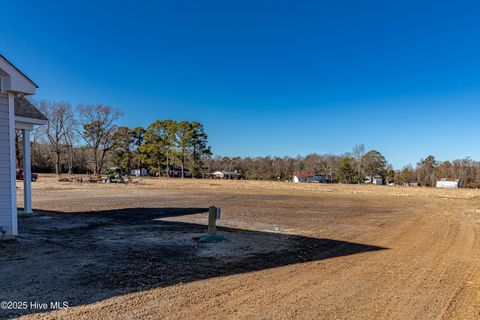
column 294, row 252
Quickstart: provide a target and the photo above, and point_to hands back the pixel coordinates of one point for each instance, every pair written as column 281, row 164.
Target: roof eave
column 35, row 121
column 19, row 71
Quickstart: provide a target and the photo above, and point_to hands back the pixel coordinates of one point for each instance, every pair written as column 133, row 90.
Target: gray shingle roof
column 24, row 108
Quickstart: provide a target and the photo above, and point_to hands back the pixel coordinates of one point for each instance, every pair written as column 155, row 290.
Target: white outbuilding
column 16, row 112
column 309, row 177
column 445, row 183
column 141, row 172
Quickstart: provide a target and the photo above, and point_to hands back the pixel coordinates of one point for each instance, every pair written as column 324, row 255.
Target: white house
column 226, row 175
column 448, row 183
column 16, row 112
column 374, row 180
column 308, row 177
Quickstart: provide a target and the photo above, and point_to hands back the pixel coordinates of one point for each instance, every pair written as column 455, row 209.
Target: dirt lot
column 294, row 252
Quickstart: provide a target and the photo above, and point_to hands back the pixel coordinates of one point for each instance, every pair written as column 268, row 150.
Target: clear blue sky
column 267, row 77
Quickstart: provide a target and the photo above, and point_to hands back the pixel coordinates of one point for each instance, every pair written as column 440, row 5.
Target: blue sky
column 267, row 77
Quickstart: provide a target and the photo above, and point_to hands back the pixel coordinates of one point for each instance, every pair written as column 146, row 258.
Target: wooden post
column 212, row 221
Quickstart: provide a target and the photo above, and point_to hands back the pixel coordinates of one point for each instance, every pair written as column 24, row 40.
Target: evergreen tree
column 374, row 165
column 346, row 171
column 199, row 146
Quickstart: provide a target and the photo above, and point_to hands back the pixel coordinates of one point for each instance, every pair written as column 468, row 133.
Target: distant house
column 177, row 173
column 142, row 172
column 309, row 177
column 226, row 175
column 374, row 180
column 446, row 183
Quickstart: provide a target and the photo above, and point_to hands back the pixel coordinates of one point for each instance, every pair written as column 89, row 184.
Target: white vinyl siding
column 5, row 167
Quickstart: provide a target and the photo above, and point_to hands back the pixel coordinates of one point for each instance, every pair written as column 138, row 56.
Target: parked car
column 20, row 175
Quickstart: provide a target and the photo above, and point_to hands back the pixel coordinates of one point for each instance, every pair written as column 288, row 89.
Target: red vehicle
column 20, row 175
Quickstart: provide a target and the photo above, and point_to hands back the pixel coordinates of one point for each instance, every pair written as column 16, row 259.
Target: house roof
column 25, row 109
column 226, row 172
column 19, row 71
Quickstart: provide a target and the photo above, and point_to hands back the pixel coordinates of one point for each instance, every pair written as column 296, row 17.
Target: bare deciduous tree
column 96, row 125
column 60, row 122
column 70, row 139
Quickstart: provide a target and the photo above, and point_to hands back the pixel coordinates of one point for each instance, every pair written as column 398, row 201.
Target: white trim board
column 31, row 120
column 13, row 173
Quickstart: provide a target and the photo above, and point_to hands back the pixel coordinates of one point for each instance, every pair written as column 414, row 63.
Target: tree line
column 356, row 166
column 88, row 139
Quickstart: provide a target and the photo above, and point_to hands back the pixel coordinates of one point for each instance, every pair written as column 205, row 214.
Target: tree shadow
column 87, row 257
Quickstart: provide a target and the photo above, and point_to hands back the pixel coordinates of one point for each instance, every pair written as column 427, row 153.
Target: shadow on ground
column 87, row 257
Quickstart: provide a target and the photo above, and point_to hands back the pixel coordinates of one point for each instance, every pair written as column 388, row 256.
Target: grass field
column 295, row 251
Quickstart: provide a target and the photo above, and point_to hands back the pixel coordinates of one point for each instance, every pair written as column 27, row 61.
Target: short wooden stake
column 212, row 221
